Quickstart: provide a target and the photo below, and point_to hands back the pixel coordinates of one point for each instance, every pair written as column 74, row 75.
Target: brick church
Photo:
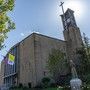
column 31, row 54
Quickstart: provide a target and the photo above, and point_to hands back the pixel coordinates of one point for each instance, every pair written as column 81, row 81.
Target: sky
column 43, row 16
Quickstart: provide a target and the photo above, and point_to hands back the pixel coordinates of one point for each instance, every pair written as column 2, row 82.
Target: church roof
column 33, row 35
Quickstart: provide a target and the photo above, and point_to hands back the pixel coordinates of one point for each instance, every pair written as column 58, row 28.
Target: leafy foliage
column 5, row 23
column 57, row 63
column 46, row 81
column 84, row 56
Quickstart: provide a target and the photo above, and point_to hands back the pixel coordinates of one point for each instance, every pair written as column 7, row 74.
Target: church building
column 31, row 54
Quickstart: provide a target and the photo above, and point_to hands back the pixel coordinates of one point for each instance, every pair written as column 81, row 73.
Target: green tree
column 84, row 56
column 57, row 63
column 5, row 22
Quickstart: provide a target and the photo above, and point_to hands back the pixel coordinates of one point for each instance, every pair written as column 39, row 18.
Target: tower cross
column 62, row 7
column 63, row 15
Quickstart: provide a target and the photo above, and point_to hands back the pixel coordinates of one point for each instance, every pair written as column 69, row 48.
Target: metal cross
column 62, row 7
column 64, row 18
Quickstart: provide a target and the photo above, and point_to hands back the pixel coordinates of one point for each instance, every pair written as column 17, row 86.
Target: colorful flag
column 6, row 60
column 11, row 59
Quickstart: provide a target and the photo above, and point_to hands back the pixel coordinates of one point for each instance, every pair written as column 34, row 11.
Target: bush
column 86, row 87
column 64, row 80
column 46, row 82
column 53, row 85
column 66, row 88
column 87, row 78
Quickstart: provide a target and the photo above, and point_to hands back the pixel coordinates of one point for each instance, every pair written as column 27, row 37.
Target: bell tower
column 71, row 33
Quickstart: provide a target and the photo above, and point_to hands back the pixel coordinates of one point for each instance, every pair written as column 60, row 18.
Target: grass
column 65, row 88
column 37, row 89
column 51, row 89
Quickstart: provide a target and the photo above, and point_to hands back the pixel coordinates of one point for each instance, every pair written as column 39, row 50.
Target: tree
column 84, row 56
column 5, row 22
column 57, row 64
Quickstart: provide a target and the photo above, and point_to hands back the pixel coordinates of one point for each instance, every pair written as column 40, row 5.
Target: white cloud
column 22, row 34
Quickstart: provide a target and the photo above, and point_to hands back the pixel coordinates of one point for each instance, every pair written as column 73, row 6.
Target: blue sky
column 43, row 16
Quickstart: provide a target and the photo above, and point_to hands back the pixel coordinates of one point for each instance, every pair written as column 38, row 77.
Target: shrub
column 53, row 85
column 46, row 82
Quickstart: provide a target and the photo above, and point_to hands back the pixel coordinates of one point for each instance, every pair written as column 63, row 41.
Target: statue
column 73, row 70
column 75, row 82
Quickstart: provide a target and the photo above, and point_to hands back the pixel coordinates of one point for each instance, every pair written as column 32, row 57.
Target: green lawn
column 51, row 89
column 38, row 89
column 85, row 88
